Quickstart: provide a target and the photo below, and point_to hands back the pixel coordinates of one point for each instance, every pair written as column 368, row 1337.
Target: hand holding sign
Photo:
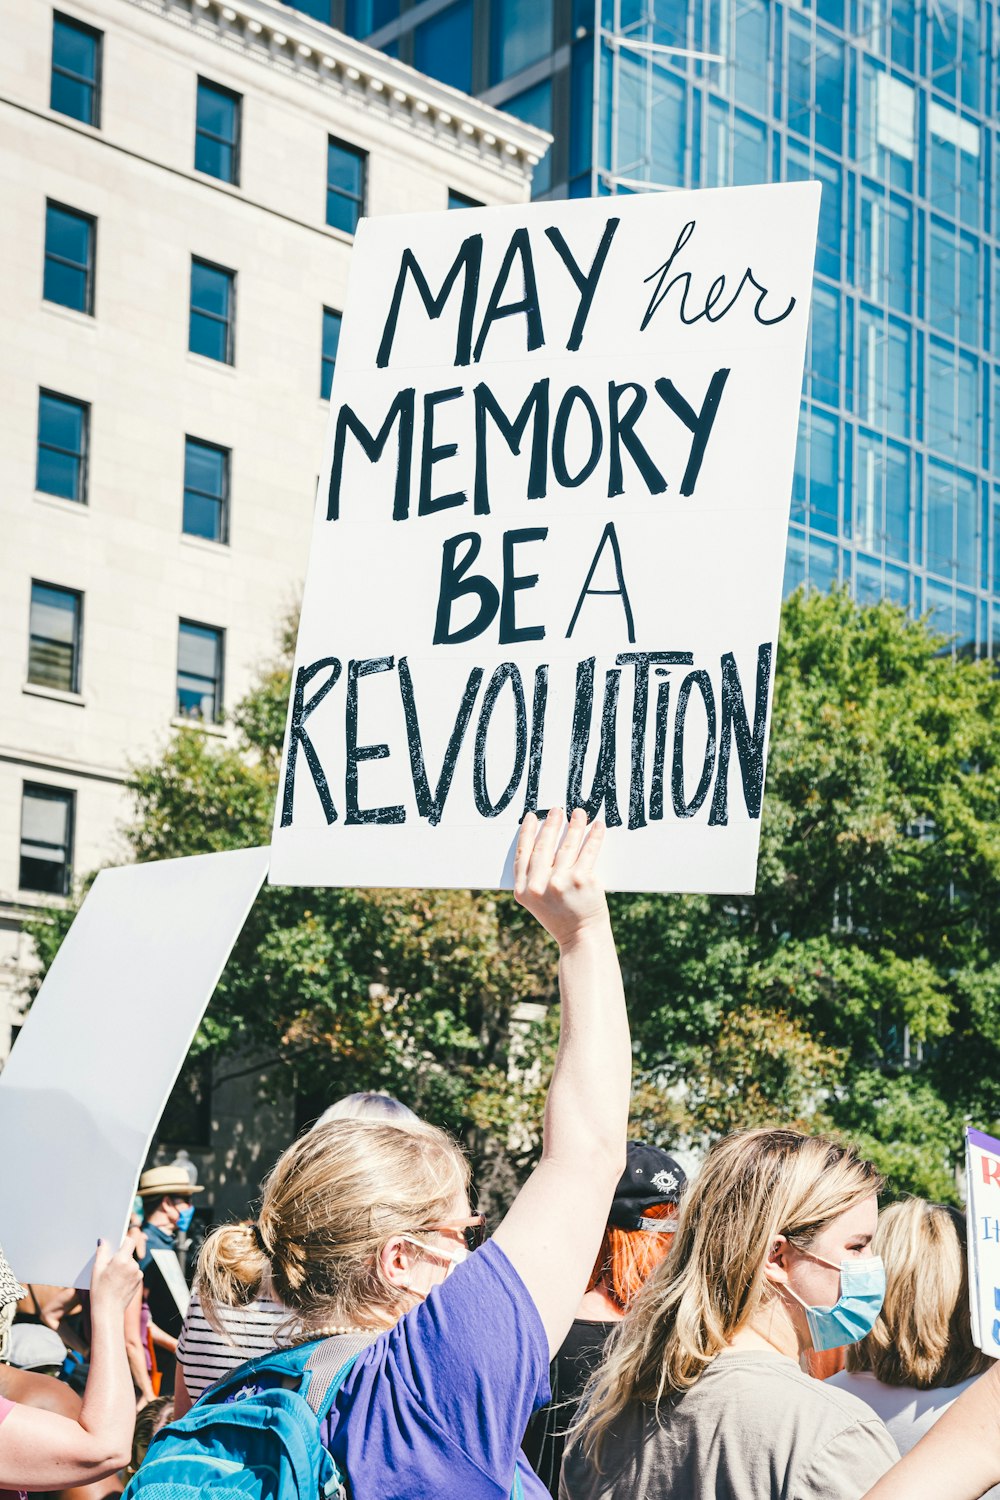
column 556, row 881
column 114, row 1280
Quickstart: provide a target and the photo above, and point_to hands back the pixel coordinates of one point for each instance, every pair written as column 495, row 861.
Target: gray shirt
column 754, row 1427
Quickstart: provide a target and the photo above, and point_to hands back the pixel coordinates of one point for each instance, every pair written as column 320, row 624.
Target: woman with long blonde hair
column 701, row 1394
column 919, row 1357
column 365, row 1235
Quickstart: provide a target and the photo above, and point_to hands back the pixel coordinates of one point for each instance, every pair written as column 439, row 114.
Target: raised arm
column 553, row 1229
column 135, row 1350
column 959, row 1458
column 40, row 1450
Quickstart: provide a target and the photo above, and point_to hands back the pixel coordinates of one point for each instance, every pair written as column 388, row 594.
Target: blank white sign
column 87, row 1079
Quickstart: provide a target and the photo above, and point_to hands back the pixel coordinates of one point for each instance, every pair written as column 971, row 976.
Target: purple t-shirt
column 437, row 1406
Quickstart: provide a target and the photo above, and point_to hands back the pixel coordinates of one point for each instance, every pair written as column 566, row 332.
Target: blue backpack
column 258, row 1442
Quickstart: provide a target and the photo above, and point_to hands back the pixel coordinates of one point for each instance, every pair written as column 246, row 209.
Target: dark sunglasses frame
column 472, row 1230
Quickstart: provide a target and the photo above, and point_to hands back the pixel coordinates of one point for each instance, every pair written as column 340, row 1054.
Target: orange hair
column 627, row 1257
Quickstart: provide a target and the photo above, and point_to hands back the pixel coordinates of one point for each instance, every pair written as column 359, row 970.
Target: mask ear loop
column 792, row 1293
column 448, row 1255
column 810, row 1255
column 455, row 1257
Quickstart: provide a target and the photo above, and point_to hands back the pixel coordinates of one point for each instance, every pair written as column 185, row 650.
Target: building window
column 46, row 840
column 442, row 46
column 462, row 200
column 521, row 35
column 213, row 303
column 366, row 16
column 534, row 107
column 199, row 672
column 63, row 429
column 320, row 10
column 346, row 170
column 206, row 490
column 69, row 258
column 75, row 87
column 54, row 637
column 885, row 261
column 217, row 132
column 187, row 1115
column 331, row 339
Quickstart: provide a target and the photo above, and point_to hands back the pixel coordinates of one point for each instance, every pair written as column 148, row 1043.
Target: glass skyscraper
column 894, row 107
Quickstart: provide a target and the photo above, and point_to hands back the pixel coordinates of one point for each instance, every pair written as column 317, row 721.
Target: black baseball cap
column 650, row 1177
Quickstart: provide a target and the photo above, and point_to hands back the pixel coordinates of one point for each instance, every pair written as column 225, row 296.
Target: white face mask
column 456, row 1256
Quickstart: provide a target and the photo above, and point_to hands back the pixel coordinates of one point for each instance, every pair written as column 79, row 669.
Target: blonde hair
column 923, row 1336
column 329, row 1206
column 752, row 1187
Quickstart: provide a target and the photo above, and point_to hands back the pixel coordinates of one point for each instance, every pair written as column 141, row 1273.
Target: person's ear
column 396, row 1260
column 776, row 1263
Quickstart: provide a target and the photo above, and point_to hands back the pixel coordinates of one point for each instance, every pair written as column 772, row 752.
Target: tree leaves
column 859, row 987
column 873, row 934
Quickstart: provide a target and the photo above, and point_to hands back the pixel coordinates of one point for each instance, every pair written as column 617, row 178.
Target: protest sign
column 982, row 1167
column 169, row 1269
column 87, row 1079
column 547, row 557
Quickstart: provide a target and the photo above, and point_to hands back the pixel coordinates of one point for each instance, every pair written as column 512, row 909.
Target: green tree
column 872, row 941
column 410, row 991
column 859, row 989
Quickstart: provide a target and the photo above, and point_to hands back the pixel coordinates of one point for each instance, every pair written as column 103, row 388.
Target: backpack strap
column 280, row 1362
column 334, row 1388
column 329, row 1364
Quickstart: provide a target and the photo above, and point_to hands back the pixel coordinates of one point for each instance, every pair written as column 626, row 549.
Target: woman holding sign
column 701, row 1393
column 42, row 1451
column 366, row 1234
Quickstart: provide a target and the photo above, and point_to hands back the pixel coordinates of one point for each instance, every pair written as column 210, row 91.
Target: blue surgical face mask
column 184, row 1217
column 862, row 1292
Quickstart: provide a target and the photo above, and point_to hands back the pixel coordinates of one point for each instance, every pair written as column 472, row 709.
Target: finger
column 587, row 858
column 572, row 839
column 522, row 853
column 540, row 863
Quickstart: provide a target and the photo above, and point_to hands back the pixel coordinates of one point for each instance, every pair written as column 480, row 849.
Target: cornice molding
column 280, row 37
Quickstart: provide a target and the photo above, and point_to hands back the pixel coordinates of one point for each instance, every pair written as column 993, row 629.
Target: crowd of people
column 622, row 1332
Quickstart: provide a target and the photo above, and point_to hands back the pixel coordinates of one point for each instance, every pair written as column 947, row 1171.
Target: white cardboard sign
column 982, row 1163
column 547, row 557
column 169, row 1267
column 87, row 1079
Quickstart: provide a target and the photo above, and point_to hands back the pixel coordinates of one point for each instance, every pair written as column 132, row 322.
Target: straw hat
column 164, row 1182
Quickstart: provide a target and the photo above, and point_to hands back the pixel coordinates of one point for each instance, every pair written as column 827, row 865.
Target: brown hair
column 154, row 1415
column 752, row 1187
column 329, row 1206
column 923, row 1336
column 628, row 1257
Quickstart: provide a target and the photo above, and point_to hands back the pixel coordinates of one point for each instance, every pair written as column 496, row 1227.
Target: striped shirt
column 206, row 1356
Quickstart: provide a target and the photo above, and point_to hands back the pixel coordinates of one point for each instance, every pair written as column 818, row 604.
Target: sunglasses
column 472, row 1230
